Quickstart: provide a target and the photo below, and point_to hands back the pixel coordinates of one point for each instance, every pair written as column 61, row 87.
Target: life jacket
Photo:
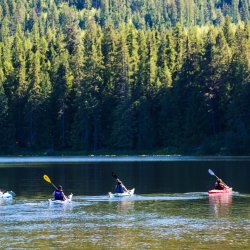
column 58, row 195
column 119, row 188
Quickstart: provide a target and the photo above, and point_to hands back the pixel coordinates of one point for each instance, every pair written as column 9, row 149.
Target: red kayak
column 222, row 191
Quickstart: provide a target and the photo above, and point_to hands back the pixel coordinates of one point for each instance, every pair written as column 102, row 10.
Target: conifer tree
column 237, row 135
column 87, row 118
column 6, row 132
column 133, row 54
column 61, row 78
column 122, row 115
column 6, row 141
column 164, row 77
column 228, row 31
column 216, row 66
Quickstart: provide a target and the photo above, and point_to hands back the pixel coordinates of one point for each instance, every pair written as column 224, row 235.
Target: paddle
column 46, row 178
column 212, row 173
column 114, row 175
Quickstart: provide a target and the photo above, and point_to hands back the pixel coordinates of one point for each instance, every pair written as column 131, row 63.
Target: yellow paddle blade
column 46, row 178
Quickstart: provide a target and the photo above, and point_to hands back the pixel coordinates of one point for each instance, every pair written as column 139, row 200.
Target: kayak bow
column 6, row 195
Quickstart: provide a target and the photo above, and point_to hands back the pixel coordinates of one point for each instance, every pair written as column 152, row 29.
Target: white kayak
column 6, row 195
column 129, row 193
column 68, row 200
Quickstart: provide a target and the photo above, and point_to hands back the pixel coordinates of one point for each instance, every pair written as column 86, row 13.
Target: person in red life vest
column 58, row 194
column 219, row 185
column 120, row 188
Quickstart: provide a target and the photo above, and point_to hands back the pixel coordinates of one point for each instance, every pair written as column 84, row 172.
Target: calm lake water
column 170, row 210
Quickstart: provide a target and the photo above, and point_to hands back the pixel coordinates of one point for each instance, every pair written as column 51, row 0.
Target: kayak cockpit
column 125, row 194
column 68, row 200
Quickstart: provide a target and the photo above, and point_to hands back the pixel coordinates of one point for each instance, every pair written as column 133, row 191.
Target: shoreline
column 115, row 158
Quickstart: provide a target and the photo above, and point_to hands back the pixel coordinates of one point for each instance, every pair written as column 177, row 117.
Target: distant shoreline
column 114, row 158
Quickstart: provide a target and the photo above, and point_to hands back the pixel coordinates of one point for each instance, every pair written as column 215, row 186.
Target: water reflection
column 163, row 214
column 60, row 207
column 96, row 179
column 220, row 204
column 124, row 206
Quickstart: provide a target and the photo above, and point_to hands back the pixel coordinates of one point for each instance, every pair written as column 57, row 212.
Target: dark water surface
column 171, row 208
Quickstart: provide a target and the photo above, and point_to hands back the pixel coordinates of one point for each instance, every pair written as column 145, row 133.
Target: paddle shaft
column 47, row 179
column 53, row 185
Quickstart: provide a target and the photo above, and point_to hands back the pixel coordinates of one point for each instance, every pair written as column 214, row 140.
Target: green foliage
column 95, row 75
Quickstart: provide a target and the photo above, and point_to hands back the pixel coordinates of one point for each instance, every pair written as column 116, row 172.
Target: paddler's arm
column 64, row 196
column 223, row 183
column 125, row 189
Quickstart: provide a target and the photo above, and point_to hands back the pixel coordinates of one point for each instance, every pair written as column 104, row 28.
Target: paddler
column 219, row 185
column 120, row 188
column 58, row 194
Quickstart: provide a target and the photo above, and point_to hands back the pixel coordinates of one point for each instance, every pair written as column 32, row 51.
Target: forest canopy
column 168, row 76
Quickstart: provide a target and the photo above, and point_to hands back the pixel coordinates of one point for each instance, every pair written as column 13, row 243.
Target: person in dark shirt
column 120, row 188
column 59, row 194
column 219, row 185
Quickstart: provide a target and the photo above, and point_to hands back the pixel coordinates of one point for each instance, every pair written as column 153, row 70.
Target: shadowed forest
column 167, row 76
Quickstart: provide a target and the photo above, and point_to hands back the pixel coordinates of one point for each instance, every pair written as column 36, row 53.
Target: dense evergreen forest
column 170, row 76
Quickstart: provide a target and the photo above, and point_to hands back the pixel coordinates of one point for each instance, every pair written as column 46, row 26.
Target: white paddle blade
column 210, row 172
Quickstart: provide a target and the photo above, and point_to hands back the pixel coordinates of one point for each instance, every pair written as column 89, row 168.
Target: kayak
column 53, row 201
column 7, row 195
column 222, row 191
column 129, row 193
